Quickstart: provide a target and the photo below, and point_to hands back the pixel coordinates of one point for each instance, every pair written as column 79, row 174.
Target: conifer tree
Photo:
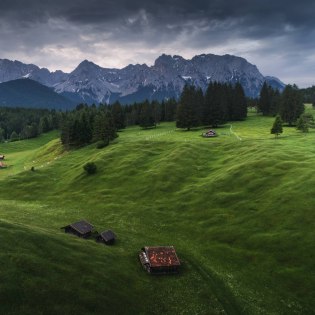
column 2, row 134
column 301, row 125
column 215, row 105
column 118, row 116
column 277, row 126
column 304, row 122
column 104, row 128
column 187, row 115
column 291, row 104
column 240, row 103
column 264, row 102
column 146, row 116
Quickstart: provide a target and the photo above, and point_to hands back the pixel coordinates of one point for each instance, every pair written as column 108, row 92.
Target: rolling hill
column 238, row 208
column 29, row 93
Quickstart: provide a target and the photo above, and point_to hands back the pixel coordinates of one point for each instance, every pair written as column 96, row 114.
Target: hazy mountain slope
column 29, row 93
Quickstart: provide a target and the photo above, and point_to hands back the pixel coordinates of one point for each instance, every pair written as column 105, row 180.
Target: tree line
column 25, row 123
column 289, row 105
column 288, row 108
column 100, row 124
column 220, row 103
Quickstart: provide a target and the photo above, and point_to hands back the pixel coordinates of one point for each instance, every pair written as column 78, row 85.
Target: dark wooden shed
column 81, row 228
column 108, row 237
column 159, row 259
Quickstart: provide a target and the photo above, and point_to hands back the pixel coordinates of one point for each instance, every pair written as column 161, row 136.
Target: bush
column 102, row 144
column 90, row 168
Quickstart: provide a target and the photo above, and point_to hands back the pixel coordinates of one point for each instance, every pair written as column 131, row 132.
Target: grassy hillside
column 238, row 208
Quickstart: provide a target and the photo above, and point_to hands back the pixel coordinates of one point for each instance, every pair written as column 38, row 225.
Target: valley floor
column 239, row 209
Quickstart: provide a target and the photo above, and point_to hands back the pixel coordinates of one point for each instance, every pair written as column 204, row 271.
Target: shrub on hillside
column 102, row 144
column 90, row 167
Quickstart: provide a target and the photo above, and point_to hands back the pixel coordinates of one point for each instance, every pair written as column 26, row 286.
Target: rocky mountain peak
column 91, row 83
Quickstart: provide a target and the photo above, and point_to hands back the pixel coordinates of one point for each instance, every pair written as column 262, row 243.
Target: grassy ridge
column 238, row 208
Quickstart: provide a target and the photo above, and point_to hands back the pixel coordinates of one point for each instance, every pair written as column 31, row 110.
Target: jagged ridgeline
column 90, row 83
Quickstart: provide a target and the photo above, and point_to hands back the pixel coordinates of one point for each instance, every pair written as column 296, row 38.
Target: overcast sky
column 276, row 35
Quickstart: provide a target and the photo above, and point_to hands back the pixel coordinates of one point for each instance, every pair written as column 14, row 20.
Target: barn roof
column 82, row 226
column 162, row 256
column 108, row 235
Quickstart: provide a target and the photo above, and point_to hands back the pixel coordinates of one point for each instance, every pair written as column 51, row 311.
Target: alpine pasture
column 238, row 208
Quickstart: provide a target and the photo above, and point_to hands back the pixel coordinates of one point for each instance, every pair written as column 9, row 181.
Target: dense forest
column 25, row 123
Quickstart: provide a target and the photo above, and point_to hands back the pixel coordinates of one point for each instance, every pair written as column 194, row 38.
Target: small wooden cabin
column 159, row 259
column 108, row 237
column 81, row 228
column 2, row 157
column 209, row 134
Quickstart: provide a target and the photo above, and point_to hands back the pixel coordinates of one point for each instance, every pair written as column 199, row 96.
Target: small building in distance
column 159, row 259
column 2, row 157
column 209, row 134
column 81, row 228
column 108, row 237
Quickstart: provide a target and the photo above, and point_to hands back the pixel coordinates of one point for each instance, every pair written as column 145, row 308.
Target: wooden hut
column 81, row 228
column 159, row 259
column 108, row 237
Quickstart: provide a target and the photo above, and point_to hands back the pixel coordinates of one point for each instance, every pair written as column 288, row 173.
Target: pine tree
column 146, row 116
column 277, row 126
column 2, row 134
column 187, row 115
column 275, row 102
column 301, row 125
column 118, row 116
column 104, row 128
column 304, row 122
column 215, row 105
column 291, row 104
column 240, row 103
column 264, row 102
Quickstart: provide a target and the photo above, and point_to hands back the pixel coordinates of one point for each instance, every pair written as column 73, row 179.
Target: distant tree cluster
column 25, row 123
column 89, row 124
column 220, row 103
column 148, row 114
column 269, row 100
column 289, row 105
column 308, row 95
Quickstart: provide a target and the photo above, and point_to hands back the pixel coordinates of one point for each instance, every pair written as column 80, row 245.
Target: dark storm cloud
column 141, row 29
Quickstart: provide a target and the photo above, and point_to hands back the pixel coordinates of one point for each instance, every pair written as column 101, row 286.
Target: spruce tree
column 301, row 125
column 264, row 102
column 240, row 103
column 215, row 105
column 146, row 116
column 2, row 135
column 291, row 106
column 304, row 122
column 118, row 116
column 187, row 115
column 277, row 126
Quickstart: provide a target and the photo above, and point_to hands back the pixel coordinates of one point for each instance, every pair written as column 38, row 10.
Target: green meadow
column 239, row 209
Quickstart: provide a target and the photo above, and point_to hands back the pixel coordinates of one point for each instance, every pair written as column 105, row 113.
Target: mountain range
column 90, row 83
